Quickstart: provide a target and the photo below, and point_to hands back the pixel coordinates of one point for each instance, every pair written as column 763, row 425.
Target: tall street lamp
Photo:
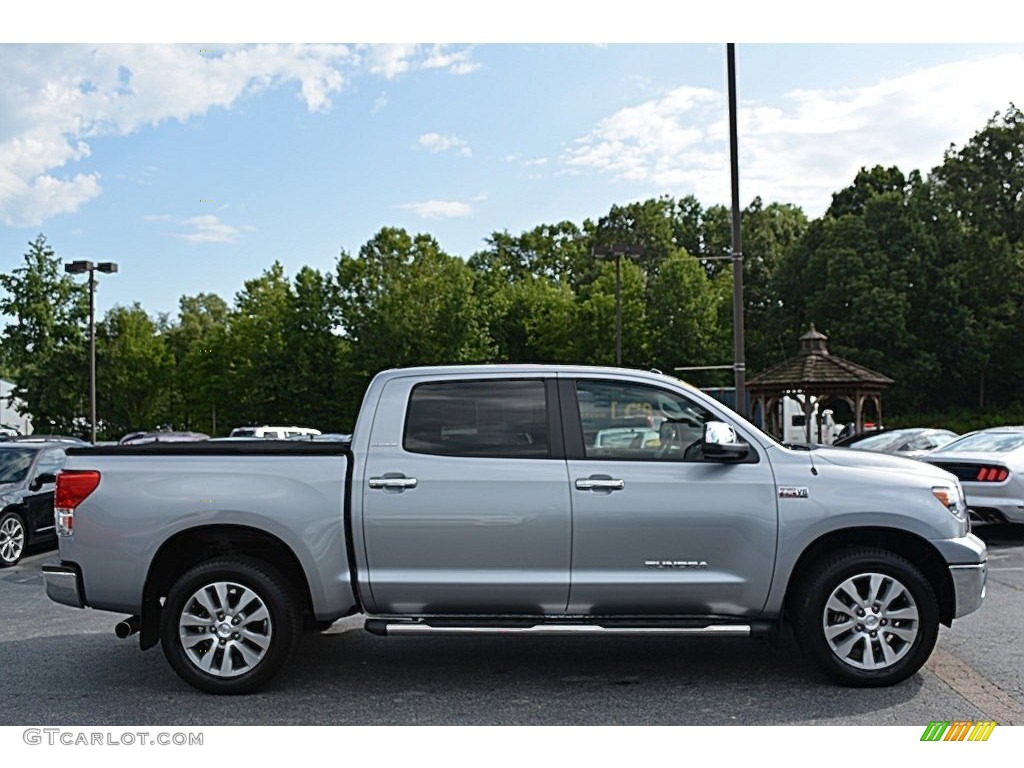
column 617, row 252
column 739, row 358
column 78, row 268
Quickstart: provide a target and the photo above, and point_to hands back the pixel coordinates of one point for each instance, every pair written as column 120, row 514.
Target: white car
column 273, row 433
column 627, row 437
column 990, row 466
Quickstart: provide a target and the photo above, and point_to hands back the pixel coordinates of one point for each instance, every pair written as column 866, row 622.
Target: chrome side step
column 384, row 627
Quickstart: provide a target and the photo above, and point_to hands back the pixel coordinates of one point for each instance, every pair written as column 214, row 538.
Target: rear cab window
column 500, row 418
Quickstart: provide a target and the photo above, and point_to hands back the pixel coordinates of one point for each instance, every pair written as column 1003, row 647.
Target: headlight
column 952, row 498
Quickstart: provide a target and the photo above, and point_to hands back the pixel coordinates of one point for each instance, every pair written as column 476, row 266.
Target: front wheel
column 12, row 539
column 868, row 617
column 229, row 625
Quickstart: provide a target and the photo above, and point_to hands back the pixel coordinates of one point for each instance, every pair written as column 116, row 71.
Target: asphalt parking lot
column 62, row 664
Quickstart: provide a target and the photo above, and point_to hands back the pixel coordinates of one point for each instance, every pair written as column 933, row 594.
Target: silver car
column 990, row 466
column 911, row 443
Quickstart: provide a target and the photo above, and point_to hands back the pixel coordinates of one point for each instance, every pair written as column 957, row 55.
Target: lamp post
column 78, row 268
column 739, row 358
column 617, row 252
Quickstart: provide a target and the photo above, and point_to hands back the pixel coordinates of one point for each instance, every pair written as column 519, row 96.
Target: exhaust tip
column 127, row 627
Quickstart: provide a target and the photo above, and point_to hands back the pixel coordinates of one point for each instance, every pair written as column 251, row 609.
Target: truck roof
column 536, row 369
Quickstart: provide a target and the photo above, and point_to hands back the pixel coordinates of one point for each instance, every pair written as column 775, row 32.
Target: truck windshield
column 14, row 464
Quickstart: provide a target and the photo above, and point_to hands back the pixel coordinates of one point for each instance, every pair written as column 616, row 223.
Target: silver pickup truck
column 541, row 500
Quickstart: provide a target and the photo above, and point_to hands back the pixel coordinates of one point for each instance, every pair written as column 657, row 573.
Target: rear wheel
column 868, row 617
column 12, row 539
column 229, row 625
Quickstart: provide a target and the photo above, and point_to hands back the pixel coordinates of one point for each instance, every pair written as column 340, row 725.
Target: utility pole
column 739, row 362
column 78, row 268
column 617, row 252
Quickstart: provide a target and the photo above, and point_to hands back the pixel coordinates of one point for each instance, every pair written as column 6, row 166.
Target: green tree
column 682, row 316
column 595, row 328
column 321, row 389
column 258, row 370
column 133, row 373
column 44, row 345
column 983, row 182
column 403, row 301
column 982, row 185
column 200, row 350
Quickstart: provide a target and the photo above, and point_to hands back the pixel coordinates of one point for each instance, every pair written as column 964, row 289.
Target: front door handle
column 399, row 483
column 600, row 483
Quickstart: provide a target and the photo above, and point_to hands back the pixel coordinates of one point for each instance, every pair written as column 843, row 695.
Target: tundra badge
column 789, row 492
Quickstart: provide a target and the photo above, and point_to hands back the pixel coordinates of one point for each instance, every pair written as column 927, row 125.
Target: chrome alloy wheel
column 12, row 540
column 225, row 629
column 870, row 621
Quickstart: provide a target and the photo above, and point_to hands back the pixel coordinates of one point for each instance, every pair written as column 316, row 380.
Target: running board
column 384, row 627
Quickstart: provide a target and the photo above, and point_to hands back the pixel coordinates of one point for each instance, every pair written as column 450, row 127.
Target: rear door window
column 504, row 418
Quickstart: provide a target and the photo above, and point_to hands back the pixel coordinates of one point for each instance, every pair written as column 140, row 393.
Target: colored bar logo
column 958, row 730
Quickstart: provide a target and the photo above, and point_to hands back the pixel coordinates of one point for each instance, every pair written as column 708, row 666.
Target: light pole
column 617, row 252
column 739, row 361
column 78, row 268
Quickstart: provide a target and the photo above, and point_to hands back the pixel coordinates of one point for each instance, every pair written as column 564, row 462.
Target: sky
column 196, row 165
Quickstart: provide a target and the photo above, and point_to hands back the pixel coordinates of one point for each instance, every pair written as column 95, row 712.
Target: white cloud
column 805, row 147
column 210, row 229
column 439, row 209
column 435, row 142
column 392, row 60
column 378, row 104
column 456, row 62
column 54, row 99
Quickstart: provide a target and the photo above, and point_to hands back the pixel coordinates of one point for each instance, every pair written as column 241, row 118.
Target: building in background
column 12, row 422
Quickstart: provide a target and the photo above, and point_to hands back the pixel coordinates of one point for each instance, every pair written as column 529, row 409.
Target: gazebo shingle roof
column 814, row 367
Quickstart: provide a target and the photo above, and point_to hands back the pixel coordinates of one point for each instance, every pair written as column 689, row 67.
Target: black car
column 28, row 472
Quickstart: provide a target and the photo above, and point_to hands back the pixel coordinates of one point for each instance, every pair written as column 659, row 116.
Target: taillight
column 73, row 487
column 992, row 474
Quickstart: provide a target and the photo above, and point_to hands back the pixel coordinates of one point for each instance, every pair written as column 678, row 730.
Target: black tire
column 13, row 539
column 244, row 654
column 841, row 642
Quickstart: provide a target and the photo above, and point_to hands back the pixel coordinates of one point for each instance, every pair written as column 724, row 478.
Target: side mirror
column 722, row 443
column 47, row 478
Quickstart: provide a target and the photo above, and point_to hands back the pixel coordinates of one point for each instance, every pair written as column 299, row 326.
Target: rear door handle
column 600, row 483
column 400, row 483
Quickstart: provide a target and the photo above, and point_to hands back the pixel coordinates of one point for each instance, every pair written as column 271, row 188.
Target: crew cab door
column 658, row 529
column 465, row 499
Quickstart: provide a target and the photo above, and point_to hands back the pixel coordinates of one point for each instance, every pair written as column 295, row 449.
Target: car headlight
column 952, row 498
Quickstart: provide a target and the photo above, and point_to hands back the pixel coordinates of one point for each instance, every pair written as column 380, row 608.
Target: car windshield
column 882, row 441
column 987, row 442
column 14, row 464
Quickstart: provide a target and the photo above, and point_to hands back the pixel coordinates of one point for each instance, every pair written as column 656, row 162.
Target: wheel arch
column 193, row 546
column 908, row 545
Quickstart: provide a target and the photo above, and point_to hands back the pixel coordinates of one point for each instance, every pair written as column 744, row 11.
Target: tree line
column 917, row 276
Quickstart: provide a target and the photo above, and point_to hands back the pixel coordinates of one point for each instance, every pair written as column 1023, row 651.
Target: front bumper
column 968, row 587
column 64, row 584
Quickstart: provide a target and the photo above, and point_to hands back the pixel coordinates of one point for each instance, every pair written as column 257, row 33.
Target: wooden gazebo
column 816, row 376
